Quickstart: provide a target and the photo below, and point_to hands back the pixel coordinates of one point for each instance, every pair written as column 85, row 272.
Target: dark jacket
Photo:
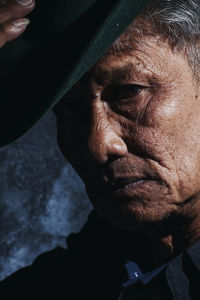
column 94, row 267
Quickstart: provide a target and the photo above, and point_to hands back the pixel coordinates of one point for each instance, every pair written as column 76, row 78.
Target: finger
column 11, row 30
column 14, row 9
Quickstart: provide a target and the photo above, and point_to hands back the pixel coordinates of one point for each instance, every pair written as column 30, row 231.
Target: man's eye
column 120, row 92
column 128, row 91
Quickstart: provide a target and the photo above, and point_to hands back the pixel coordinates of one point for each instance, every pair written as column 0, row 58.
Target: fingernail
column 21, row 22
column 24, row 2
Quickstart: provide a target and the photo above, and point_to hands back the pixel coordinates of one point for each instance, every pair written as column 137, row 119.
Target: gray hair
column 175, row 21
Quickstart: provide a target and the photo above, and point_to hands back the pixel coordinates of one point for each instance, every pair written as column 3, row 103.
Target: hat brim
column 42, row 73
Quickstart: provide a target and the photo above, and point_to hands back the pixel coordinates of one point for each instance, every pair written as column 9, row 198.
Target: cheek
column 187, row 159
column 168, row 136
column 176, row 140
column 184, row 136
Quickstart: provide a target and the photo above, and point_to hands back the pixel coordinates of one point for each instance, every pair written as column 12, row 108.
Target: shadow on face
column 128, row 127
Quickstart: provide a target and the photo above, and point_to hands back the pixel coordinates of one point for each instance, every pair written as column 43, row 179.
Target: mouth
column 123, row 185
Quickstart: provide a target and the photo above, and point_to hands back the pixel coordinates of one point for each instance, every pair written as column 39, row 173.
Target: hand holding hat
column 12, row 21
column 65, row 39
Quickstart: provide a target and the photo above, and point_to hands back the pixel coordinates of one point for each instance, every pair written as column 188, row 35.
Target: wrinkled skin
column 130, row 127
column 136, row 116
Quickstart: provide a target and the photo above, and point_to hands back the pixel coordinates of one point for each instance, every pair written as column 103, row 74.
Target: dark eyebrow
column 116, row 75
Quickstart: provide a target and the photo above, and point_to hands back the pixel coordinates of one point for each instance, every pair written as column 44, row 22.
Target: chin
column 130, row 219
column 131, row 214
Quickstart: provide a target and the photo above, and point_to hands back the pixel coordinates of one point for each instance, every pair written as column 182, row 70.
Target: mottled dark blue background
column 42, row 200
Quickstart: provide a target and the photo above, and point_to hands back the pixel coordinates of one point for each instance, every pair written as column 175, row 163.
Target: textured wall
column 42, row 200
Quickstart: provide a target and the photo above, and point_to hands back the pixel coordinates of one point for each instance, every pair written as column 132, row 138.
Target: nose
column 104, row 142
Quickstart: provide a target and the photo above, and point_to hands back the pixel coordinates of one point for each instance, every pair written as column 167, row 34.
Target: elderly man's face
column 131, row 129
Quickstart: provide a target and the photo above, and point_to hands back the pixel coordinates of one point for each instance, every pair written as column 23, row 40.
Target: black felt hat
column 65, row 38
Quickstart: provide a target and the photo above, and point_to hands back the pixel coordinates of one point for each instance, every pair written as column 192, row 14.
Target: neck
column 169, row 238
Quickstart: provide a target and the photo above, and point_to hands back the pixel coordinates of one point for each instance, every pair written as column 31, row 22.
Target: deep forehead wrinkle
column 128, row 72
